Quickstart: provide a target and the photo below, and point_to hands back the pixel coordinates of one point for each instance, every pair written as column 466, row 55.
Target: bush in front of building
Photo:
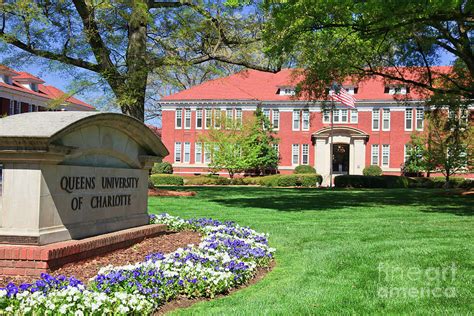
column 357, row 181
column 162, row 168
column 304, row 169
column 207, row 180
column 372, row 171
column 166, row 179
column 290, row 180
column 440, row 182
column 310, row 180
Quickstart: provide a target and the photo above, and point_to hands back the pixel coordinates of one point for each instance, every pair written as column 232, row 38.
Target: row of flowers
column 227, row 256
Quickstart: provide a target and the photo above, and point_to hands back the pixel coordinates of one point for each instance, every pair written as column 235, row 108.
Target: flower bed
column 227, row 256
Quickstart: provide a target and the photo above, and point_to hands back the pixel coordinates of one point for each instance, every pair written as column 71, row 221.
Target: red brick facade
column 400, row 113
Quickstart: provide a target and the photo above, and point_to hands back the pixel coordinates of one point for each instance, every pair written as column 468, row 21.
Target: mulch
column 88, row 268
column 160, row 192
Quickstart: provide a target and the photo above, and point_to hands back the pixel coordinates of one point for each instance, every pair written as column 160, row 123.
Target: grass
column 340, row 251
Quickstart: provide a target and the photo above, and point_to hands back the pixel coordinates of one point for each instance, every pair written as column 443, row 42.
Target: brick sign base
column 33, row 260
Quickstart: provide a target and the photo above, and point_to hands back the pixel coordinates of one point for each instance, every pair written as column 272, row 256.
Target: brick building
column 375, row 133
column 22, row 92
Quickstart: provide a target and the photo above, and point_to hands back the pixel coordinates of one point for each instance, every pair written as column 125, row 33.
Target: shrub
column 207, row 180
column 372, row 171
column 357, row 181
column 237, row 181
column 251, row 180
column 309, row 180
column 303, row 169
column 162, row 168
column 166, row 179
column 440, row 182
column 287, row 181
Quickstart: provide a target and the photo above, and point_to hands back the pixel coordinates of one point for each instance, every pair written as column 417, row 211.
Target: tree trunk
column 132, row 92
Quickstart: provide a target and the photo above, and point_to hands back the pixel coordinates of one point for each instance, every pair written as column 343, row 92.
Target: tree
column 227, row 146
column 449, row 137
column 239, row 146
column 417, row 160
column 124, row 41
column 261, row 155
column 336, row 39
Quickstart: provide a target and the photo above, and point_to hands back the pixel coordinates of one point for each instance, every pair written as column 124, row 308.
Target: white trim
column 385, row 110
column 188, row 145
column 357, row 116
column 375, row 110
column 388, row 156
column 303, row 112
column 302, row 154
column 178, row 145
column 273, row 119
column 199, row 110
column 408, row 110
column 297, row 113
column 293, row 146
column 417, row 110
column 196, row 145
column 372, row 154
column 180, row 110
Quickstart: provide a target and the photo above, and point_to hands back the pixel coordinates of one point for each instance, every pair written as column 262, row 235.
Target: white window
column 354, row 116
column 179, row 118
column 11, row 110
column 296, row 120
column 208, row 114
column 420, row 116
column 207, row 153
column 266, row 114
column 295, row 154
column 238, row 116
column 406, row 154
column 217, row 118
column 187, row 152
column 326, row 116
column 276, row 119
column 336, row 116
column 305, row 117
column 408, row 119
column 344, row 117
column 198, row 153
column 229, row 116
column 385, row 155
column 386, row 119
column 199, row 118
column 276, row 147
column 375, row 119
column 177, row 152
column 304, row 154
column 375, row 155
column 30, row 107
column 187, row 118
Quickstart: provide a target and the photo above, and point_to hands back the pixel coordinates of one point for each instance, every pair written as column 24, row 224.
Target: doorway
column 340, row 158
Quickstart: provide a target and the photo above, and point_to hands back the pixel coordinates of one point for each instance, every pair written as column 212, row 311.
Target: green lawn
column 332, row 245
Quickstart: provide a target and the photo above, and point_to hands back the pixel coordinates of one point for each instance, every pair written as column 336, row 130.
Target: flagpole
column 331, row 143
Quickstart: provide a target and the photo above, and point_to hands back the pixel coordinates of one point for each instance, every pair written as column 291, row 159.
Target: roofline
column 282, row 102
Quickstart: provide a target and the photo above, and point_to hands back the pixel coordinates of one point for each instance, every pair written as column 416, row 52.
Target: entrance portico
column 348, row 151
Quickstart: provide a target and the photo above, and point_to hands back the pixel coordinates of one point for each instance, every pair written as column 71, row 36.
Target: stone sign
column 71, row 175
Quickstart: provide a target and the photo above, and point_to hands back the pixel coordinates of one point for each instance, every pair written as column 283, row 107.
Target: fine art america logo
column 431, row 282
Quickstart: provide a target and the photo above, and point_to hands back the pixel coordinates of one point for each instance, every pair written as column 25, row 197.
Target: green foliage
column 416, row 161
column 162, row 168
column 293, row 180
column 206, row 180
column 301, row 169
column 166, row 179
column 125, row 43
column 356, row 181
column 236, row 147
column 334, row 39
column 372, row 170
column 440, row 182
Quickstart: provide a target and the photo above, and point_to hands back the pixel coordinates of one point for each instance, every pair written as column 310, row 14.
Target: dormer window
column 349, row 89
column 397, row 89
column 286, row 91
column 34, row 86
column 6, row 79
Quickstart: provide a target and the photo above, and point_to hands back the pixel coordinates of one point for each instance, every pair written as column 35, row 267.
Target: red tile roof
column 26, row 76
column 263, row 86
column 45, row 91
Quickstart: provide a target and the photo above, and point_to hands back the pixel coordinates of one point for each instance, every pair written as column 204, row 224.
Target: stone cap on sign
column 79, row 138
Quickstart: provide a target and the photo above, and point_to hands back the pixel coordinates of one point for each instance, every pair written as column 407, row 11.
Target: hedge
column 291, row 180
column 357, row 181
column 304, row 169
column 166, row 179
column 439, row 182
column 207, row 180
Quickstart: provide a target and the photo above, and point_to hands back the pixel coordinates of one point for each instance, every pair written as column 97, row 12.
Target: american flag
column 344, row 97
